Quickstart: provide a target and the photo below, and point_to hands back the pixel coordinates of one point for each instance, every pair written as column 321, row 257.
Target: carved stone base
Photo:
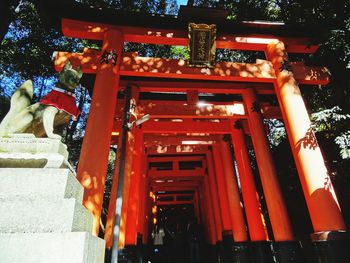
column 26, row 151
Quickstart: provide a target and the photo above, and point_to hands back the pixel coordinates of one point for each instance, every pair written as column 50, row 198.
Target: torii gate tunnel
column 183, row 161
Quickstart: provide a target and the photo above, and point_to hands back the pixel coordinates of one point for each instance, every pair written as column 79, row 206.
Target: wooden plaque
column 202, row 45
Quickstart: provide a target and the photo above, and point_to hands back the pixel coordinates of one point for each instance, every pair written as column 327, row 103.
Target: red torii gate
column 323, row 208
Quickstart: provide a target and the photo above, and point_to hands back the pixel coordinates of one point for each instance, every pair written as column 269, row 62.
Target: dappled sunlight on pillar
column 239, row 227
column 255, row 219
column 277, row 210
column 317, row 187
column 93, row 160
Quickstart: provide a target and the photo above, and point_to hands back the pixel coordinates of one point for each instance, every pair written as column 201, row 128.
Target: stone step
column 37, row 183
column 77, row 247
column 42, row 216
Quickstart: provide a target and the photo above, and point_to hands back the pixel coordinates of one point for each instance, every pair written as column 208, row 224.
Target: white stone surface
column 35, row 183
column 40, row 216
column 29, row 144
column 24, row 150
column 75, row 247
column 28, row 160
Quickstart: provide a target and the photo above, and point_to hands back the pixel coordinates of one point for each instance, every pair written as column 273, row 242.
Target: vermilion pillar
column 141, row 218
column 214, row 196
column 256, row 225
column 203, row 211
column 135, row 185
column 149, row 216
column 209, row 210
column 281, row 227
column 196, row 207
column 95, row 149
column 318, row 190
column 221, row 188
column 239, row 227
column 126, row 189
column 113, row 196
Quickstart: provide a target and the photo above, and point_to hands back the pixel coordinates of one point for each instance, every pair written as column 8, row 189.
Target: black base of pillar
column 217, row 252
column 246, row 252
column 132, row 254
column 225, row 248
column 261, row 252
column 288, row 252
column 108, row 255
column 240, row 252
column 233, row 252
column 226, row 251
column 331, row 247
column 210, row 253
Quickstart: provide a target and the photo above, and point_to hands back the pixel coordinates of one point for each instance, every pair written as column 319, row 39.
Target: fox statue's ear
column 67, row 66
column 80, row 72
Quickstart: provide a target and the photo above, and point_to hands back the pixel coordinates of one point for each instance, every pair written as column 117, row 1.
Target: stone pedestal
column 26, row 151
column 41, row 214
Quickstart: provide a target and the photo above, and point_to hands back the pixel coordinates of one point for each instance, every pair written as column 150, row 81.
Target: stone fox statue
column 52, row 111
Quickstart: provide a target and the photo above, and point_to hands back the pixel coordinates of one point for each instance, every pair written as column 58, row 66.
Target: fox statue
column 41, row 118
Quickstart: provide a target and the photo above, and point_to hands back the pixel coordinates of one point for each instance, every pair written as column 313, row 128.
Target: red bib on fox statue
column 62, row 100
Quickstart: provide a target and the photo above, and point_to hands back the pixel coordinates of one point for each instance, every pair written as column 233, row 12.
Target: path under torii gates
column 182, row 155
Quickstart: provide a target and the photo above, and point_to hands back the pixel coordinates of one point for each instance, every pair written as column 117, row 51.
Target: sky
column 181, row 2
